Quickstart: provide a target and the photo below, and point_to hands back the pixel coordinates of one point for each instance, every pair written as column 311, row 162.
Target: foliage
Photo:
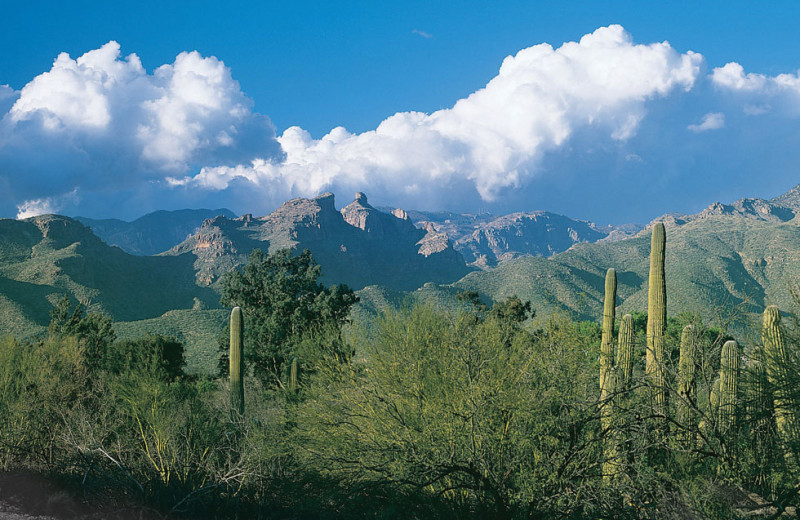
column 282, row 301
column 92, row 330
column 480, row 413
column 161, row 356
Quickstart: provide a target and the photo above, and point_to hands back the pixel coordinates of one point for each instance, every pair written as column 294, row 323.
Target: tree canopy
column 283, row 302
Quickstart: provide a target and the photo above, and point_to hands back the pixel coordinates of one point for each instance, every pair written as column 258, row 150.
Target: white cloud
column 710, row 121
column 732, row 76
column 103, row 121
column 35, row 207
column 492, row 139
column 43, row 206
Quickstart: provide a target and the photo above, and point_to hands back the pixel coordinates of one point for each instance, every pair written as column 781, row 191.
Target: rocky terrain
column 153, row 233
column 358, row 246
column 487, row 240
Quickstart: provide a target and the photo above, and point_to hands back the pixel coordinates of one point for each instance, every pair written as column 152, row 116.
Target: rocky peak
column 63, row 231
column 376, row 223
column 790, row 199
column 751, row 208
column 400, row 213
column 326, row 201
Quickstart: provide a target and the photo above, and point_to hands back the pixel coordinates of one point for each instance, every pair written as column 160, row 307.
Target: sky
column 613, row 112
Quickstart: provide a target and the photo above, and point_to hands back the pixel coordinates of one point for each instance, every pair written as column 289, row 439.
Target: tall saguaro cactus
column 777, row 360
column 625, row 352
column 657, row 318
column 728, row 386
column 607, row 341
column 235, row 358
column 607, row 377
column 686, row 379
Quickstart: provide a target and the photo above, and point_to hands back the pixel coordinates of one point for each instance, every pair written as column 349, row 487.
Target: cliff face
column 358, row 245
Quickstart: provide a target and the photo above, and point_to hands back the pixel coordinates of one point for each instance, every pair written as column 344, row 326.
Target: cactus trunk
column 611, row 461
column 235, row 358
column 607, row 341
column 608, row 379
column 777, row 360
column 657, row 319
column 759, row 413
column 293, row 375
column 624, row 367
column 687, row 392
column 728, row 388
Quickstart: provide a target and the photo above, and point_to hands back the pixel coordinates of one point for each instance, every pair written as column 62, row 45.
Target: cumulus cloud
column 710, row 121
column 733, row 77
column 103, row 122
column 492, row 139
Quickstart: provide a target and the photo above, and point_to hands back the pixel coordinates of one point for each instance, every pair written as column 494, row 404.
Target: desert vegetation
column 469, row 411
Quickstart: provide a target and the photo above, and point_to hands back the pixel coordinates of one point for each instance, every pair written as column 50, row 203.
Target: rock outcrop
column 359, row 245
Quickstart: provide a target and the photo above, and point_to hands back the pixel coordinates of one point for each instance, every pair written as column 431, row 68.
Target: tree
column 92, row 330
column 160, row 356
column 513, row 310
column 479, row 413
column 283, row 302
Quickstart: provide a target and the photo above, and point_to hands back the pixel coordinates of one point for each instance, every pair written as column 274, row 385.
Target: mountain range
column 153, row 233
column 725, row 262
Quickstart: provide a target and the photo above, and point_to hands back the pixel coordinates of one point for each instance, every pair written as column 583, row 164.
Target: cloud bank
column 102, row 136
column 100, row 124
column 492, row 139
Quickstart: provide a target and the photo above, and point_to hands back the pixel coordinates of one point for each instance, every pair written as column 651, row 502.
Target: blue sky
column 689, row 140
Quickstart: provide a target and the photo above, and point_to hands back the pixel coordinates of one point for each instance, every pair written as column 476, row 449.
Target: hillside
column 717, row 262
column 487, row 240
column 44, row 257
column 727, row 259
column 153, row 233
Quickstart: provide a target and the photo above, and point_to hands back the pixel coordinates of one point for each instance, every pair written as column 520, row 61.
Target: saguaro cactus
column 608, row 379
column 728, row 386
column 624, row 367
column 611, row 461
column 607, row 341
column 293, row 375
column 707, row 424
column 657, row 318
column 686, row 380
column 760, row 412
column 235, row 358
column 777, row 361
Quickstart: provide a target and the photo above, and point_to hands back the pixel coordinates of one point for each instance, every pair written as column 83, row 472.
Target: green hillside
column 198, row 330
column 43, row 258
column 717, row 264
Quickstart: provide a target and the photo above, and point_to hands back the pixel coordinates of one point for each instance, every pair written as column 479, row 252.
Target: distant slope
column 358, row 246
column 44, row 257
column 714, row 263
column 487, row 240
column 198, row 330
column 153, row 233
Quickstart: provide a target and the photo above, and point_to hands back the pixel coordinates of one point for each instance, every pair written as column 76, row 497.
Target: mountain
column 359, row 245
column 725, row 262
column 486, row 240
column 727, row 259
column 42, row 258
column 153, row 233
